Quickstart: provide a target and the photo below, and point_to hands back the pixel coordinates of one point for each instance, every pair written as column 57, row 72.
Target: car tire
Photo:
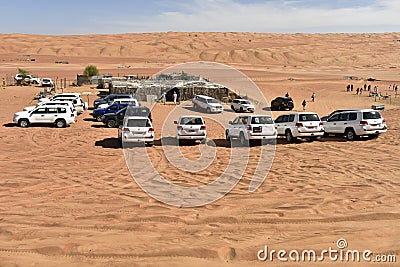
column 241, row 109
column 289, row 136
column 233, row 108
column 242, row 139
column 312, row 138
column 350, row 134
column 24, row 123
column 99, row 118
column 373, row 136
column 111, row 123
column 60, row 123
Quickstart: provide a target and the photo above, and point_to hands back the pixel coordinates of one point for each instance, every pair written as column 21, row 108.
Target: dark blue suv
column 114, row 108
column 109, row 99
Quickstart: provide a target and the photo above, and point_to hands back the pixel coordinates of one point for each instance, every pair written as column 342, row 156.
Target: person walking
column 304, row 104
column 395, row 89
column 313, row 97
column 357, row 90
column 361, row 90
column 175, row 97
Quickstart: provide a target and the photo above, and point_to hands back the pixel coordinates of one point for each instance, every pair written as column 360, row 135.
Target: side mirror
column 175, row 122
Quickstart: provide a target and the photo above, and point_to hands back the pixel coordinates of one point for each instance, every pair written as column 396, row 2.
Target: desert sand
column 68, row 199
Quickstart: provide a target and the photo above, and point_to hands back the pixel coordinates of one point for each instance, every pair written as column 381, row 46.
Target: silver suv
column 355, row 123
column 299, row 124
column 207, row 103
column 251, row 127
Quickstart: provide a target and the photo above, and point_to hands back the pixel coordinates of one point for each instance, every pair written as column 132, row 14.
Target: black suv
column 282, row 103
column 109, row 99
column 112, row 120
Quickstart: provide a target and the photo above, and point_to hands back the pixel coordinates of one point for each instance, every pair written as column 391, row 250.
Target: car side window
column 62, row 110
column 291, row 118
column 244, row 120
column 343, row 116
column 52, row 110
column 236, row 120
column 113, row 107
column 352, row 116
column 334, row 117
column 40, row 111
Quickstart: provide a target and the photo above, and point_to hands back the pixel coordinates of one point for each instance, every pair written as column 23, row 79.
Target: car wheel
column 350, row 134
column 60, row 123
column 326, row 134
column 227, row 137
column 111, row 123
column 241, row 109
column 312, row 138
column 150, row 143
column 23, row 123
column 289, row 136
column 208, row 110
column 243, row 140
column 99, row 118
column 233, row 108
column 373, row 136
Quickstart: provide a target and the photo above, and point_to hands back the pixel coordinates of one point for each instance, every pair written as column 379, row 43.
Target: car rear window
column 308, row 117
column 262, row 120
column 138, row 123
column 191, row 121
column 371, row 115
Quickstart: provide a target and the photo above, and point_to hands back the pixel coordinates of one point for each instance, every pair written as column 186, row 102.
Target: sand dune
column 68, row 198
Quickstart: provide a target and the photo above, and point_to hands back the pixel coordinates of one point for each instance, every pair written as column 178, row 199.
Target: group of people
column 371, row 92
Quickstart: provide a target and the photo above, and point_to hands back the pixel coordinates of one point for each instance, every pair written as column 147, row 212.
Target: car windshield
column 191, row 121
column 262, row 120
column 138, row 123
column 308, row 117
column 212, row 101
column 371, row 115
column 245, row 102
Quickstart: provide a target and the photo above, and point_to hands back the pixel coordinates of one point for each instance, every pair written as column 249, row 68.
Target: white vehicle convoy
column 211, row 105
column 190, row 128
column 53, row 103
column 29, row 78
column 60, row 116
column 298, row 125
column 242, row 105
column 355, row 123
column 136, row 129
column 251, row 127
column 120, row 101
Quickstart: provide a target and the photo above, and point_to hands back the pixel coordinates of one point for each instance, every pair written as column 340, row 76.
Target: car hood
column 21, row 113
column 44, row 99
column 29, row 108
column 215, row 104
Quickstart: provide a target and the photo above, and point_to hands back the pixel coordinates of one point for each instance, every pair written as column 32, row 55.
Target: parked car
column 61, row 95
column 68, row 104
column 299, row 125
column 112, row 120
column 60, row 116
column 251, row 127
column 242, row 105
column 47, row 82
column 98, row 113
column 75, row 98
column 190, row 128
column 32, row 79
column 282, row 103
column 109, row 99
column 28, row 79
column 136, row 129
column 120, row 101
column 207, row 103
column 355, row 123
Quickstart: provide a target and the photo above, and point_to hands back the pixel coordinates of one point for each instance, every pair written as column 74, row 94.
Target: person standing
column 361, row 90
column 357, row 90
column 175, row 97
column 313, row 97
column 395, row 89
column 287, row 94
column 163, row 97
column 304, row 104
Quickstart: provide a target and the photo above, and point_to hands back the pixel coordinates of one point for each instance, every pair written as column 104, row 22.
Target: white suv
column 136, row 129
column 251, row 127
column 75, row 98
column 242, row 105
column 61, row 116
column 53, row 103
column 207, row 103
column 47, row 82
column 356, row 123
column 299, row 124
column 190, row 128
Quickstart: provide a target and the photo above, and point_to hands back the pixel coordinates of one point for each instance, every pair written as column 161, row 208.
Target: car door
column 280, row 124
column 51, row 115
column 38, row 115
column 330, row 126
column 342, row 122
column 243, row 121
column 233, row 127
